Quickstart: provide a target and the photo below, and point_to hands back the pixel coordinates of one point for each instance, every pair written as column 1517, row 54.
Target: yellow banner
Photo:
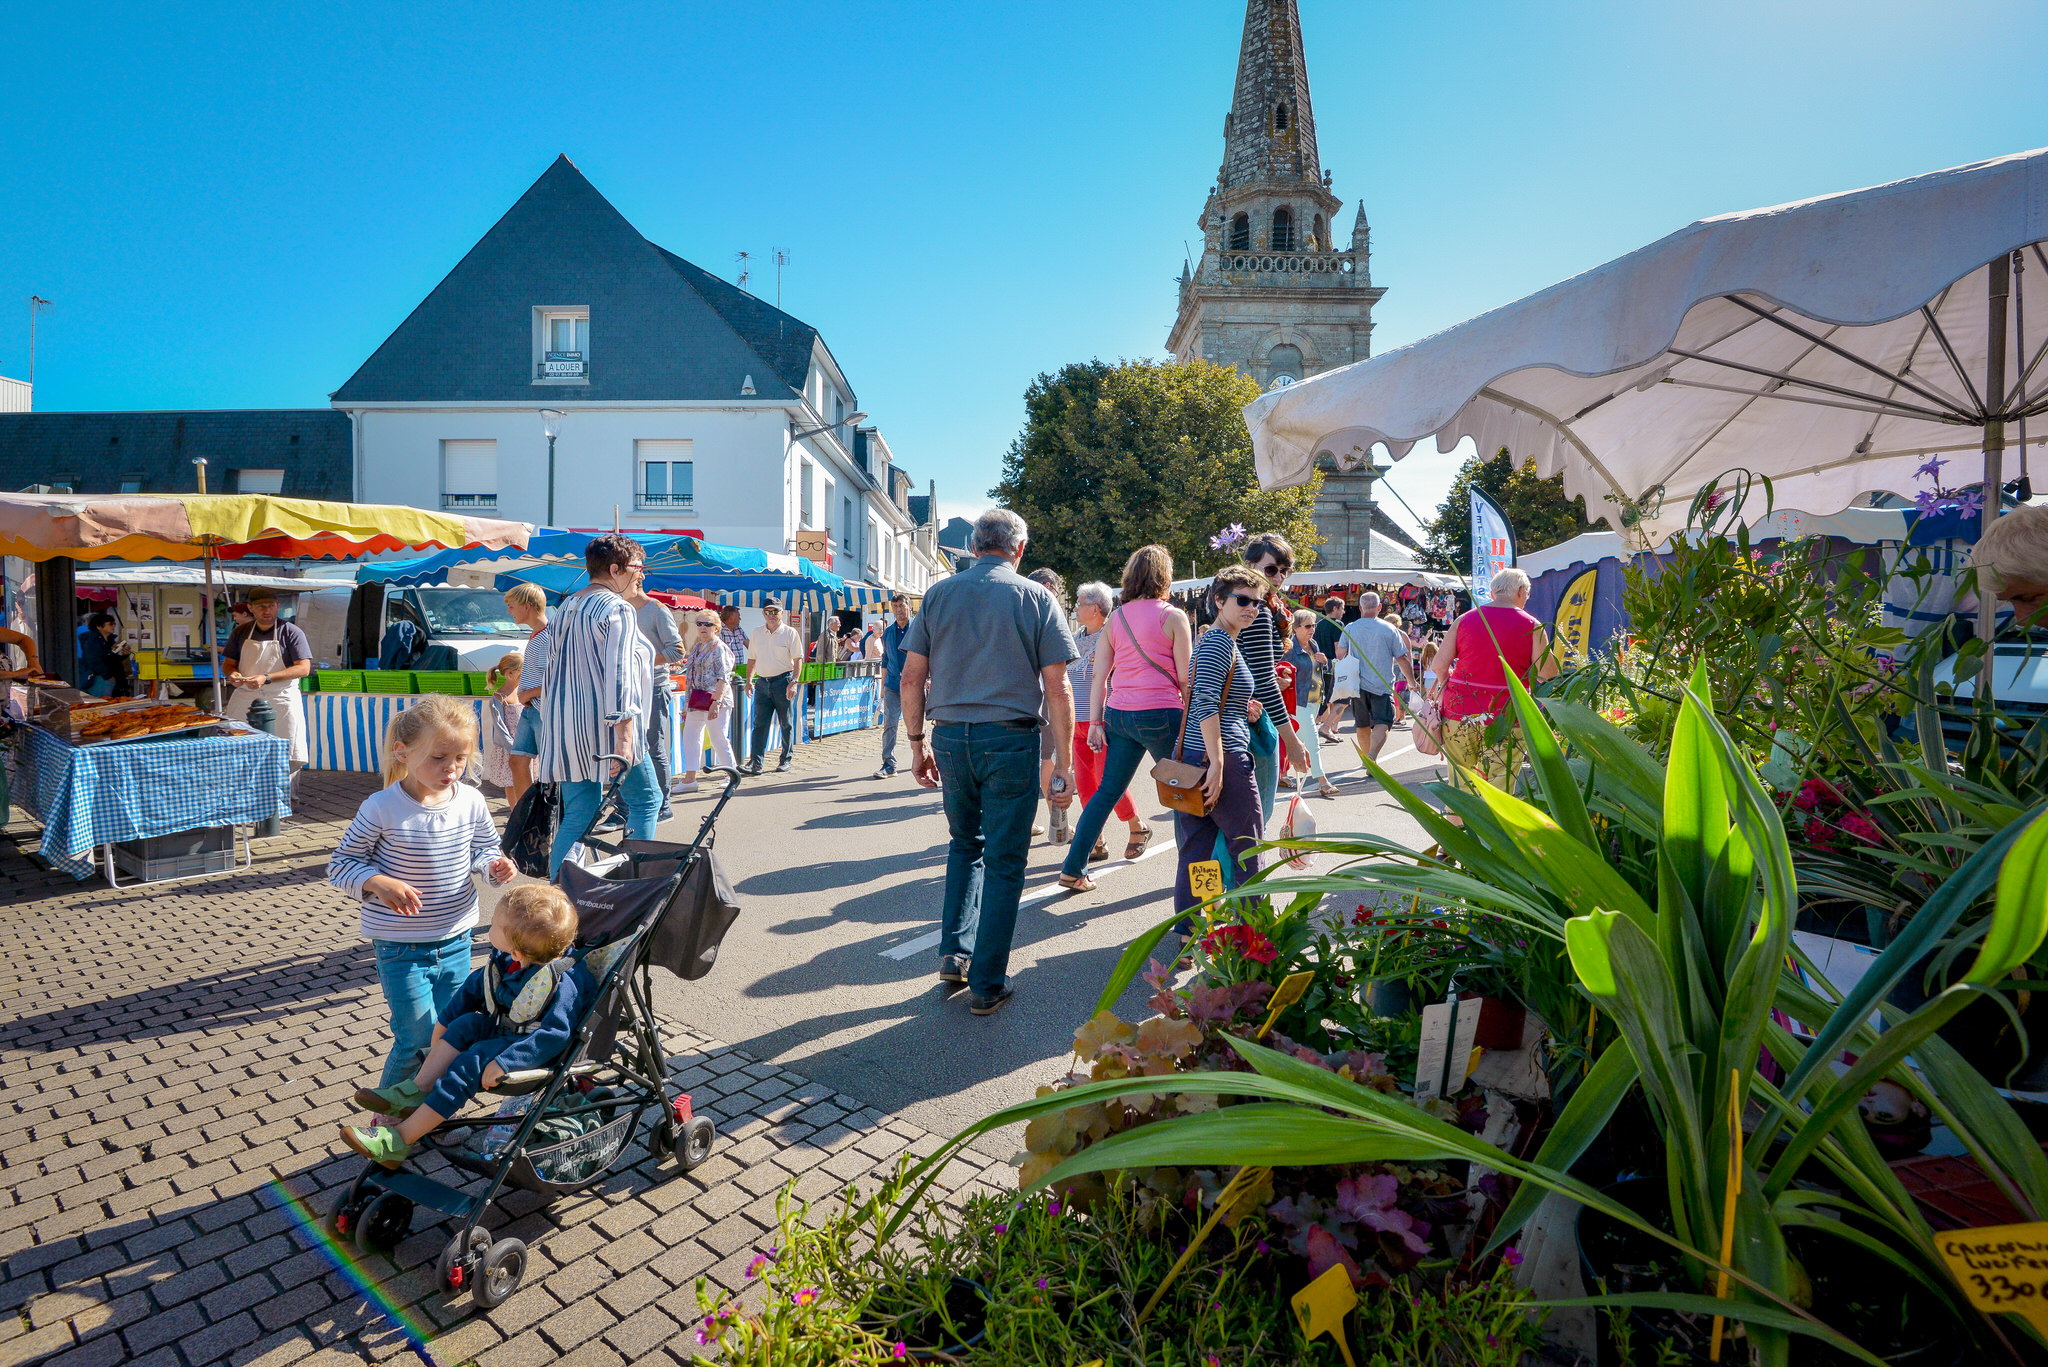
column 1571, row 629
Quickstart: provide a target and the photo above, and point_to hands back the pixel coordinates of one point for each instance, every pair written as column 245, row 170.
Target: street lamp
column 551, row 423
column 850, row 417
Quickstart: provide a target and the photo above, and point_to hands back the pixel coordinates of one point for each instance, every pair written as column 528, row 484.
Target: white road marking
column 930, row 939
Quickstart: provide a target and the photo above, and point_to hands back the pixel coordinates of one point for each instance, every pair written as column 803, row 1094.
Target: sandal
column 1099, row 853
column 1138, row 844
column 1328, row 789
column 1077, row 882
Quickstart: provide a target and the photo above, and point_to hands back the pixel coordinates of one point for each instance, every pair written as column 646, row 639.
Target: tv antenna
column 742, row 258
column 781, row 260
column 35, row 302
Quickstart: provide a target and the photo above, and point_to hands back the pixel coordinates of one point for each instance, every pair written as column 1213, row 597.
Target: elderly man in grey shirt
column 988, row 650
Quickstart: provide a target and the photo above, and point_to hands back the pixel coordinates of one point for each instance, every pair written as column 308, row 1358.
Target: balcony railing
column 1285, row 263
column 472, row 501
column 683, row 503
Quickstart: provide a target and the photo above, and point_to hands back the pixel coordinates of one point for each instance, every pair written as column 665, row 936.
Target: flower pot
column 1389, row 997
column 1983, row 1033
column 928, row 1339
column 1857, row 1293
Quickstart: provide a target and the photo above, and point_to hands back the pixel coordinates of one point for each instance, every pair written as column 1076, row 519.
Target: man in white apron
column 274, row 657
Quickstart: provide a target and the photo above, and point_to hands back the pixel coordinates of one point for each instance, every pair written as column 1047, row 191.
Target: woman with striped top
column 595, row 696
column 407, row 859
column 1217, row 733
column 1263, row 640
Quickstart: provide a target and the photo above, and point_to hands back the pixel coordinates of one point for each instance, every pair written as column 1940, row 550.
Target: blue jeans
column 1132, row 736
column 989, row 779
column 477, row 1040
column 420, row 978
column 637, row 790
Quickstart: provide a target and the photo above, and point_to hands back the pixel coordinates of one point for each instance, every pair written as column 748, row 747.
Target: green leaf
column 1272, row 1136
column 2019, row 917
column 1919, row 936
column 1749, row 1312
column 1553, row 776
column 1579, row 876
column 1592, row 1106
column 1627, row 770
column 1132, row 962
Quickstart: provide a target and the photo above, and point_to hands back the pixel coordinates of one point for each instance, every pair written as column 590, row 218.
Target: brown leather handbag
column 1180, row 783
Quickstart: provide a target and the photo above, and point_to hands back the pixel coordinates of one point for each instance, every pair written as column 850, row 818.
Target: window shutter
column 469, row 467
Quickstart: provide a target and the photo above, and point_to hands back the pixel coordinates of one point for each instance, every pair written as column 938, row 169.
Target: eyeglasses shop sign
column 562, row 365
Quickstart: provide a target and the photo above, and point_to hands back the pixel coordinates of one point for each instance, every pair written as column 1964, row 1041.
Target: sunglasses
column 1243, row 600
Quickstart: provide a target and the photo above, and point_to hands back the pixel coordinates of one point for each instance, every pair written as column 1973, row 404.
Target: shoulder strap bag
column 1119, row 615
column 1180, row 783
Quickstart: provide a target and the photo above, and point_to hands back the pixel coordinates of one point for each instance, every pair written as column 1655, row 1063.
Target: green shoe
column 400, row 1099
column 379, row 1144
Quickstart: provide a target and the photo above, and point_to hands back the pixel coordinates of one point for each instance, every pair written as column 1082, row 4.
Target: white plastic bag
column 1347, row 671
column 1300, row 825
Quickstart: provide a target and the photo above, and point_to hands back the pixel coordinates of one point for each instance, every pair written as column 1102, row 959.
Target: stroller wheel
column 383, row 1223
column 504, row 1267
column 693, row 1145
column 459, row 1264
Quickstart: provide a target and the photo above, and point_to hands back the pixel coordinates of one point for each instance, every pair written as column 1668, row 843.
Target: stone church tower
column 1273, row 296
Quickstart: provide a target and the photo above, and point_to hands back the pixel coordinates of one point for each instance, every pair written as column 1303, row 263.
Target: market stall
column 106, row 774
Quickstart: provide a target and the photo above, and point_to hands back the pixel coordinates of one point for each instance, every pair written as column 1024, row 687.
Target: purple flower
column 1931, row 470
column 1264, row 1247
column 1040, row 1283
column 759, row 1263
column 808, row 1296
column 1052, row 1207
column 1002, row 1229
column 1512, row 1255
column 1228, row 537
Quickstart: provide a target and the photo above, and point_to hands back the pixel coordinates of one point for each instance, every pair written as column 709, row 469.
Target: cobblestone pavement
column 173, row 1062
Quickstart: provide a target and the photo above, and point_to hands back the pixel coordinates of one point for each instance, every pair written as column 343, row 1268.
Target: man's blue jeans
column 773, row 702
column 989, row 778
column 638, row 791
column 419, row 978
column 1132, row 736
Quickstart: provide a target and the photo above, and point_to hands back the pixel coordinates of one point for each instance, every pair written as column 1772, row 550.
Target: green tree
column 1536, row 507
column 1114, row 457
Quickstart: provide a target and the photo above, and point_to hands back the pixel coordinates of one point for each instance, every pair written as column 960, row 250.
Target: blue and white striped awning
column 852, row 596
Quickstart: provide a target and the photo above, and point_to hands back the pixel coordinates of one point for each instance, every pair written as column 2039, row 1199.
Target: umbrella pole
column 2000, row 278
column 212, row 637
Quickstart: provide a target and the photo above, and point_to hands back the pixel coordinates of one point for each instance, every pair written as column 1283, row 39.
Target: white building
column 679, row 402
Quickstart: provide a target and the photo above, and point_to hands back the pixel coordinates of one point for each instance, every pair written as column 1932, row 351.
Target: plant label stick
column 1728, row 1206
column 2003, row 1269
column 1441, row 1061
column 1320, row 1308
column 1285, row 995
column 1205, row 879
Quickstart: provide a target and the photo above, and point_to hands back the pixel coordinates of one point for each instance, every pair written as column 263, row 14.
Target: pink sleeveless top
column 1479, row 684
column 1136, row 686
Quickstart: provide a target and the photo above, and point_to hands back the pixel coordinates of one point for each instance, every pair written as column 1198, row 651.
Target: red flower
column 1240, row 939
column 1861, row 827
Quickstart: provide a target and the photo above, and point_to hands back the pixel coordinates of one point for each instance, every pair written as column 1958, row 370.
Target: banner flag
column 1493, row 545
column 1572, row 626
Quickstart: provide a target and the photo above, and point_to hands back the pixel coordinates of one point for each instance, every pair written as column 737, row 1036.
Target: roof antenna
column 742, row 258
column 781, row 260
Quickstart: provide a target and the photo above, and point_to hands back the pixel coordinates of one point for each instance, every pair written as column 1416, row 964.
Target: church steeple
column 1270, row 134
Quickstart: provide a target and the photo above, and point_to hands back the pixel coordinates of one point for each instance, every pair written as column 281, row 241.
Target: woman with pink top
column 1472, row 676
column 1134, row 699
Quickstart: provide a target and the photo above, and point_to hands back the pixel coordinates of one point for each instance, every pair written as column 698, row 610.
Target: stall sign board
column 2001, row 1268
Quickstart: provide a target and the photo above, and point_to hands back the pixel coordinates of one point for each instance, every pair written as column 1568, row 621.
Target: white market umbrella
column 1833, row 345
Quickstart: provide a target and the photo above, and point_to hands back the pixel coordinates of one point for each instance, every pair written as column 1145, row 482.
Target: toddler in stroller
column 517, row 1012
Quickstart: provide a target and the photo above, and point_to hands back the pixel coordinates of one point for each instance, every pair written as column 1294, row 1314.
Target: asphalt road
column 836, row 869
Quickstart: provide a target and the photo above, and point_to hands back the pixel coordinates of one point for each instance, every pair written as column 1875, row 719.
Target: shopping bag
column 530, row 830
column 1428, row 726
column 1300, row 825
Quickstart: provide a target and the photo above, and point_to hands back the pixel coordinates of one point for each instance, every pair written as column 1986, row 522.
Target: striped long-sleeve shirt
column 1217, row 658
column 435, row 849
column 600, row 669
column 1261, row 643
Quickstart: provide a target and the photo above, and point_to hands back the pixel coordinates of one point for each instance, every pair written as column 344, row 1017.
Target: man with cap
column 269, row 663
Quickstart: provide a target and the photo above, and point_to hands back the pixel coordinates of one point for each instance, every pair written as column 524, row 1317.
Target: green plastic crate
column 479, row 683
column 388, row 681
column 452, row 681
column 309, row 684
column 810, row 673
column 339, row 680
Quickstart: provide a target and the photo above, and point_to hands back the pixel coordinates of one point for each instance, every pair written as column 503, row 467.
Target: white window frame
column 805, row 506
column 544, row 318
column 268, row 480
column 669, row 451
column 470, row 500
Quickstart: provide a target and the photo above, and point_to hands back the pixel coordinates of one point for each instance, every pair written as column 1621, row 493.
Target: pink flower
column 759, row 1263
column 1861, row 827
column 1512, row 1255
column 900, row 1351
column 1370, row 1201
column 807, row 1296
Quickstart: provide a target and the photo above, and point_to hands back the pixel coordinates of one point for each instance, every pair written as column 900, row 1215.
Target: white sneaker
column 681, row 787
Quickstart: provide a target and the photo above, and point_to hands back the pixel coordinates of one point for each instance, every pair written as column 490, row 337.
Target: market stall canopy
column 1832, row 344
column 1334, row 578
column 554, row 544
column 229, row 526
column 1859, row 526
column 184, row 576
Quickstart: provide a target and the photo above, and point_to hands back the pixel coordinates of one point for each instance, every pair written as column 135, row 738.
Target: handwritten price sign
column 1205, row 879
column 2002, row 1268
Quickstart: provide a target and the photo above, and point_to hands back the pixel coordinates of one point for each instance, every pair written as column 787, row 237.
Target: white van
column 346, row 624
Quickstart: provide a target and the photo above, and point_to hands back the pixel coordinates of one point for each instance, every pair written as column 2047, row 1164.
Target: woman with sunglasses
column 1264, row 640
column 707, row 669
column 1217, row 734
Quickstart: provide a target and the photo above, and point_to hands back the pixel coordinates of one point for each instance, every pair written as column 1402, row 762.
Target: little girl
column 407, row 858
column 504, row 710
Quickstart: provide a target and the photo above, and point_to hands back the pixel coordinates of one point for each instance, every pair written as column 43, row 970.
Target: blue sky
column 231, row 205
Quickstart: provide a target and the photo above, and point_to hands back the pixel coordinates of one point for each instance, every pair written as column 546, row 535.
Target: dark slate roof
column 920, row 509
column 660, row 328
column 956, row 534
column 94, row 452
column 1387, row 527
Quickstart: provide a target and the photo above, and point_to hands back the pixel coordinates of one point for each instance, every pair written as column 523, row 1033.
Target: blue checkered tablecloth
column 86, row 798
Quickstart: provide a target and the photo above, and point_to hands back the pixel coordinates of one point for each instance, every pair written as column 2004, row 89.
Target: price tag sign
column 1285, row 995
column 1321, row 1306
column 1205, row 879
column 2001, row 1268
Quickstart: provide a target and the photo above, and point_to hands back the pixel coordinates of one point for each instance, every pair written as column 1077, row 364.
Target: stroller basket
column 572, row 1161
